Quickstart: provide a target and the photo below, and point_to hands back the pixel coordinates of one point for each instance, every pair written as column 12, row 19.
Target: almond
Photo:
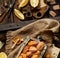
column 31, row 43
column 35, row 56
column 34, row 3
column 37, row 53
column 40, row 46
column 32, row 49
column 29, row 53
column 26, row 49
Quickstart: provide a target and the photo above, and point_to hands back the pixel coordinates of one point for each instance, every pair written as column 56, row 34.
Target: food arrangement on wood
column 28, row 43
column 26, row 8
column 36, row 40
column 27, row 11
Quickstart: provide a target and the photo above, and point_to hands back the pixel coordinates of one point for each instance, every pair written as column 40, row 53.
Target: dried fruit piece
column 34, row 3
column 35, row 56
column 19, row 14
column 32, row 49
column 31, row 43
column 3, row 55
column 40, row 46
column 23, row 3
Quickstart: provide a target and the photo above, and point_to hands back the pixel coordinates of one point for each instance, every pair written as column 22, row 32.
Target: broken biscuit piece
column 52, row 13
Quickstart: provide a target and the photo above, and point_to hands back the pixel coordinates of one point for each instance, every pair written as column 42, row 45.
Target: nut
column 32, row 49
column 35, row 56
column 34, row 3
column 19, row 14
column 29, row 53
column 23, row 3
column 40, row 46
column 31, row 43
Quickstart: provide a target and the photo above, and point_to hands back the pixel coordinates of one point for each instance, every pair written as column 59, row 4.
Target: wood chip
column 56, row 7
column 52, row 13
